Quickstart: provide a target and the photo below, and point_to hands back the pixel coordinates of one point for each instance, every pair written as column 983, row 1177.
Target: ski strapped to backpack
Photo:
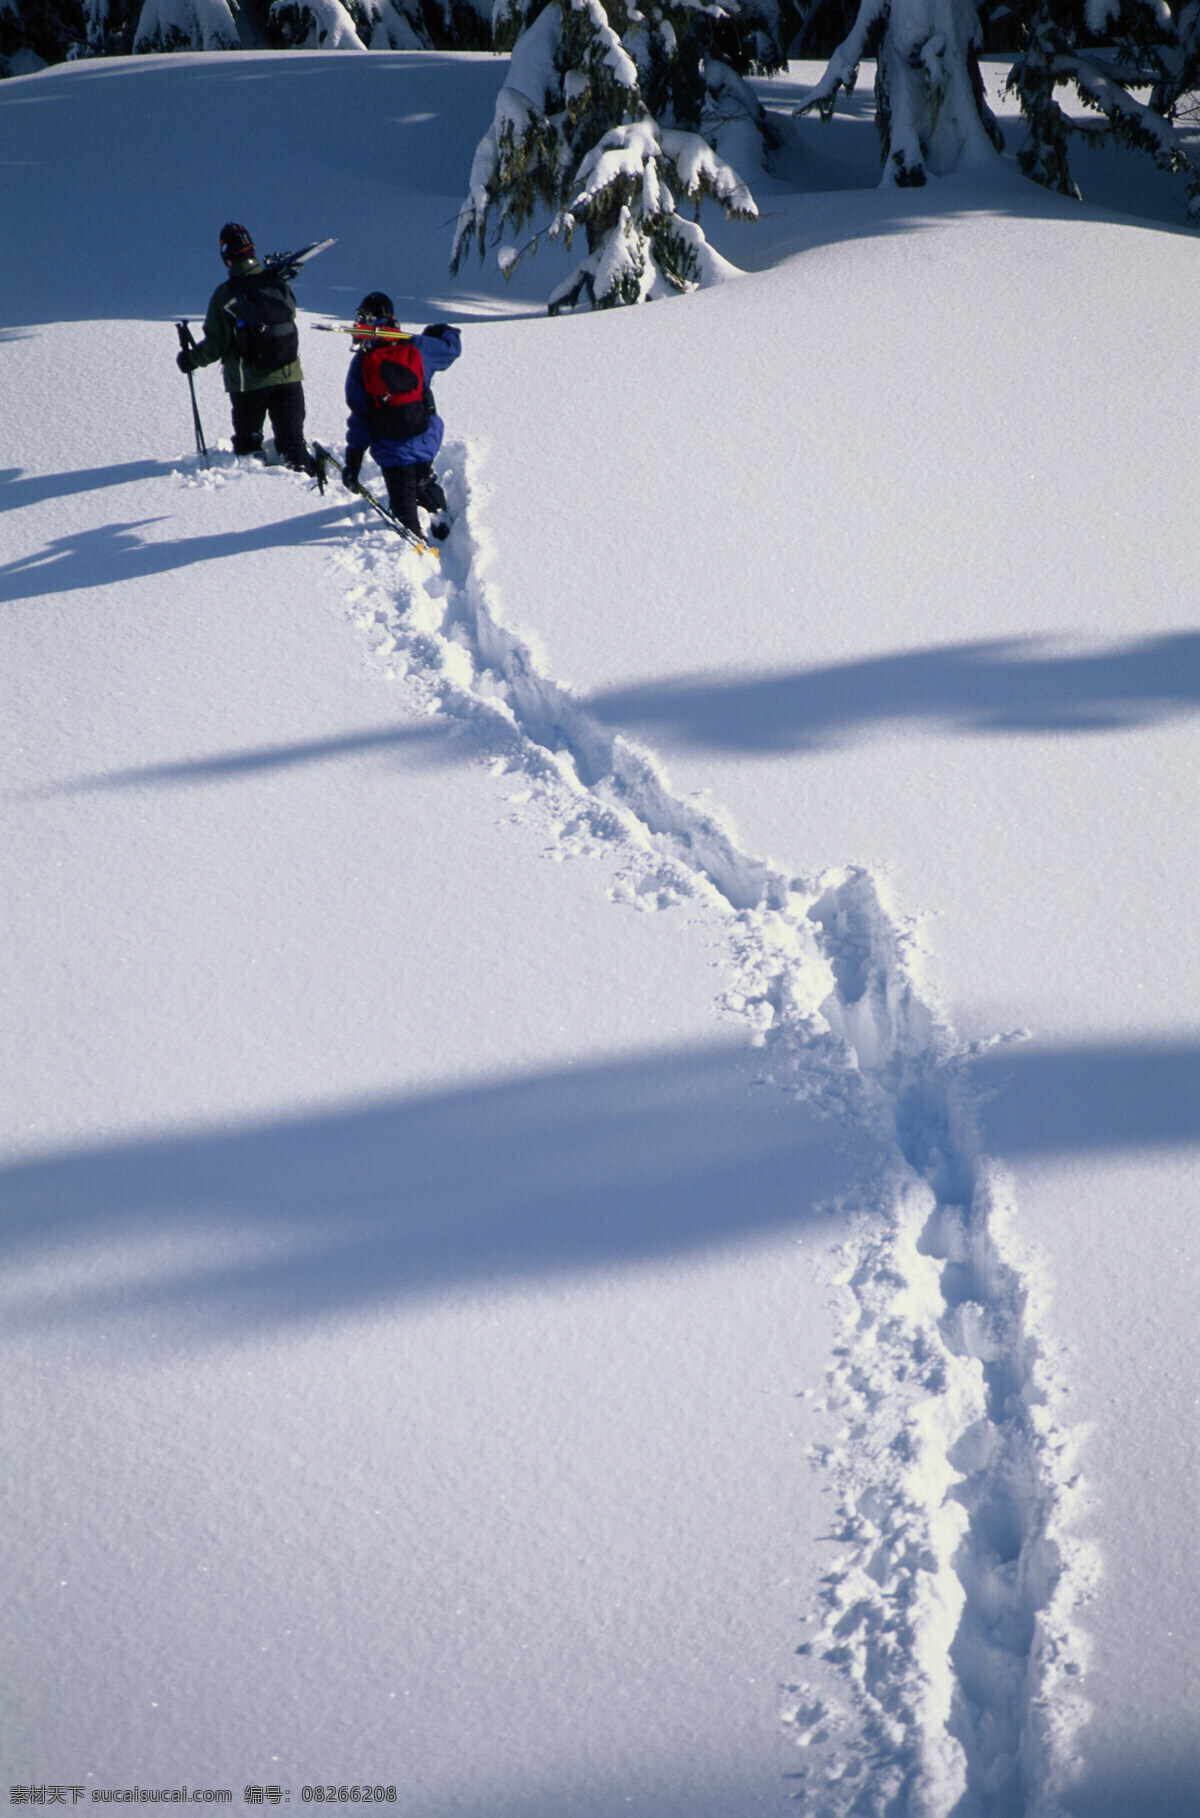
column 363, row 331
column 286, row 265
column 326, row 458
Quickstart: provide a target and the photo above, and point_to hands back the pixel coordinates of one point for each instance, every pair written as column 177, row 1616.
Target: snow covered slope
column 601, row 1143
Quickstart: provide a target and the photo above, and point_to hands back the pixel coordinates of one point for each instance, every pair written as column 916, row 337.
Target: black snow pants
column 402, row 483
column 285, row 406
column 408, row 487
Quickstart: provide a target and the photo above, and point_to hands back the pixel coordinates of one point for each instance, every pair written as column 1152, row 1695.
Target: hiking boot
column 299, row 460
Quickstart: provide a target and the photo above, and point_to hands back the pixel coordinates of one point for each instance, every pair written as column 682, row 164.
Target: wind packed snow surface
column 600, row 1145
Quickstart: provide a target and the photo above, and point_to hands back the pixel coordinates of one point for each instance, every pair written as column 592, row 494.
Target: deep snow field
column 600, row 1142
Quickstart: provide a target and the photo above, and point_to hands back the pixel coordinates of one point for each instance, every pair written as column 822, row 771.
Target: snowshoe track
column 949, row 1615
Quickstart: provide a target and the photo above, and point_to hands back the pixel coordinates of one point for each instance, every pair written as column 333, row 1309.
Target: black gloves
column 352, row 466
column 436, row 328
column 183, row 359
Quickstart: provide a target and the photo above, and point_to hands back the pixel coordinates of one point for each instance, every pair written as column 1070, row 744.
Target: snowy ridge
column 949, row 1614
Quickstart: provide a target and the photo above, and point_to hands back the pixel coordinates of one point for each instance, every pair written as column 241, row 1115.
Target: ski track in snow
column 949, row 1617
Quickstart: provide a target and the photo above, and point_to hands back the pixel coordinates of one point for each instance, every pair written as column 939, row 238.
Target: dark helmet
column 235, row 243
column 377, row 307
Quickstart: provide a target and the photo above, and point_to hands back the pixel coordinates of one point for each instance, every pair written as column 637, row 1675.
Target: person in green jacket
column 251, row 328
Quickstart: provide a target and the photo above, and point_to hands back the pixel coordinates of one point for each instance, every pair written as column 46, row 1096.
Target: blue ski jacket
column 438, row 347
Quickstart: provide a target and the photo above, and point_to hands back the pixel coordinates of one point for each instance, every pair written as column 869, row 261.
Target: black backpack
column 264, row 335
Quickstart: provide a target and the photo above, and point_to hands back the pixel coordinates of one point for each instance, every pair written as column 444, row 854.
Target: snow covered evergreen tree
column 375, row 24
column 109, row 27
column 421, row 24
column 389, row 27
column 38, row 32
column 451, row 24
column 930, row 107
column 20, row 55
column 54, row 31
column 609, row 118
column 168, row 25
column 312, row 25
column 931, row 110
column 1105, row 50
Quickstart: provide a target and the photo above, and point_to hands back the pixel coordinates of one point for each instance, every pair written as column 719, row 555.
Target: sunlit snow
column 600, row 1144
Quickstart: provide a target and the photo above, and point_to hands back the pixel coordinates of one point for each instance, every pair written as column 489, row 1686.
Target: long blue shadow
column 971, row 688
column 16, row 491
column 1055, row 1101
column 557, row 1173
column 112, row 554
column 427, row 736
column 1148, row 1787
column 996, row 687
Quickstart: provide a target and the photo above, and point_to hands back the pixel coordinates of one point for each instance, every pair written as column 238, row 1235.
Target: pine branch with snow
column 428, row 24
column 312, row 25
column 387, row 26
column 608, row 119
column 34, row 33
column 1147, row 48
column 639, row 246
column 170, row 25
column 108, row 28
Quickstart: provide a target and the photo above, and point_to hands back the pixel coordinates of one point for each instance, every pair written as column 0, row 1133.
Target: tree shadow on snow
column 427, row 737
column 629, row 1162
column 32, row 490
column 626, row 1162
column 992, row 687
column 112, row 554
column 1057, row 1101
column 1139, row 1789
column 978, row 688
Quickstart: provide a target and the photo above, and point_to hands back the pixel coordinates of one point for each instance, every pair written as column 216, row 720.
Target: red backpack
column 401, row 404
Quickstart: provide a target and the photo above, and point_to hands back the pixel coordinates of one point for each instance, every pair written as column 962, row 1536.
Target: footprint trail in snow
column 949, row 1615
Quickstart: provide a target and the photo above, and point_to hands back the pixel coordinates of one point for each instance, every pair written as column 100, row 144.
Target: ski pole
column 326, row 459
column 186, row 342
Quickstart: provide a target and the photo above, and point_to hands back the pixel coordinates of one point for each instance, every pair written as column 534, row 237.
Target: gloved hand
column 183, row 359
column 352, row 466
column 435, row 328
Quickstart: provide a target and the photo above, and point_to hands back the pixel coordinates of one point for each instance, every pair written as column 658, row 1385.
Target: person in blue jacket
column 392, row 410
